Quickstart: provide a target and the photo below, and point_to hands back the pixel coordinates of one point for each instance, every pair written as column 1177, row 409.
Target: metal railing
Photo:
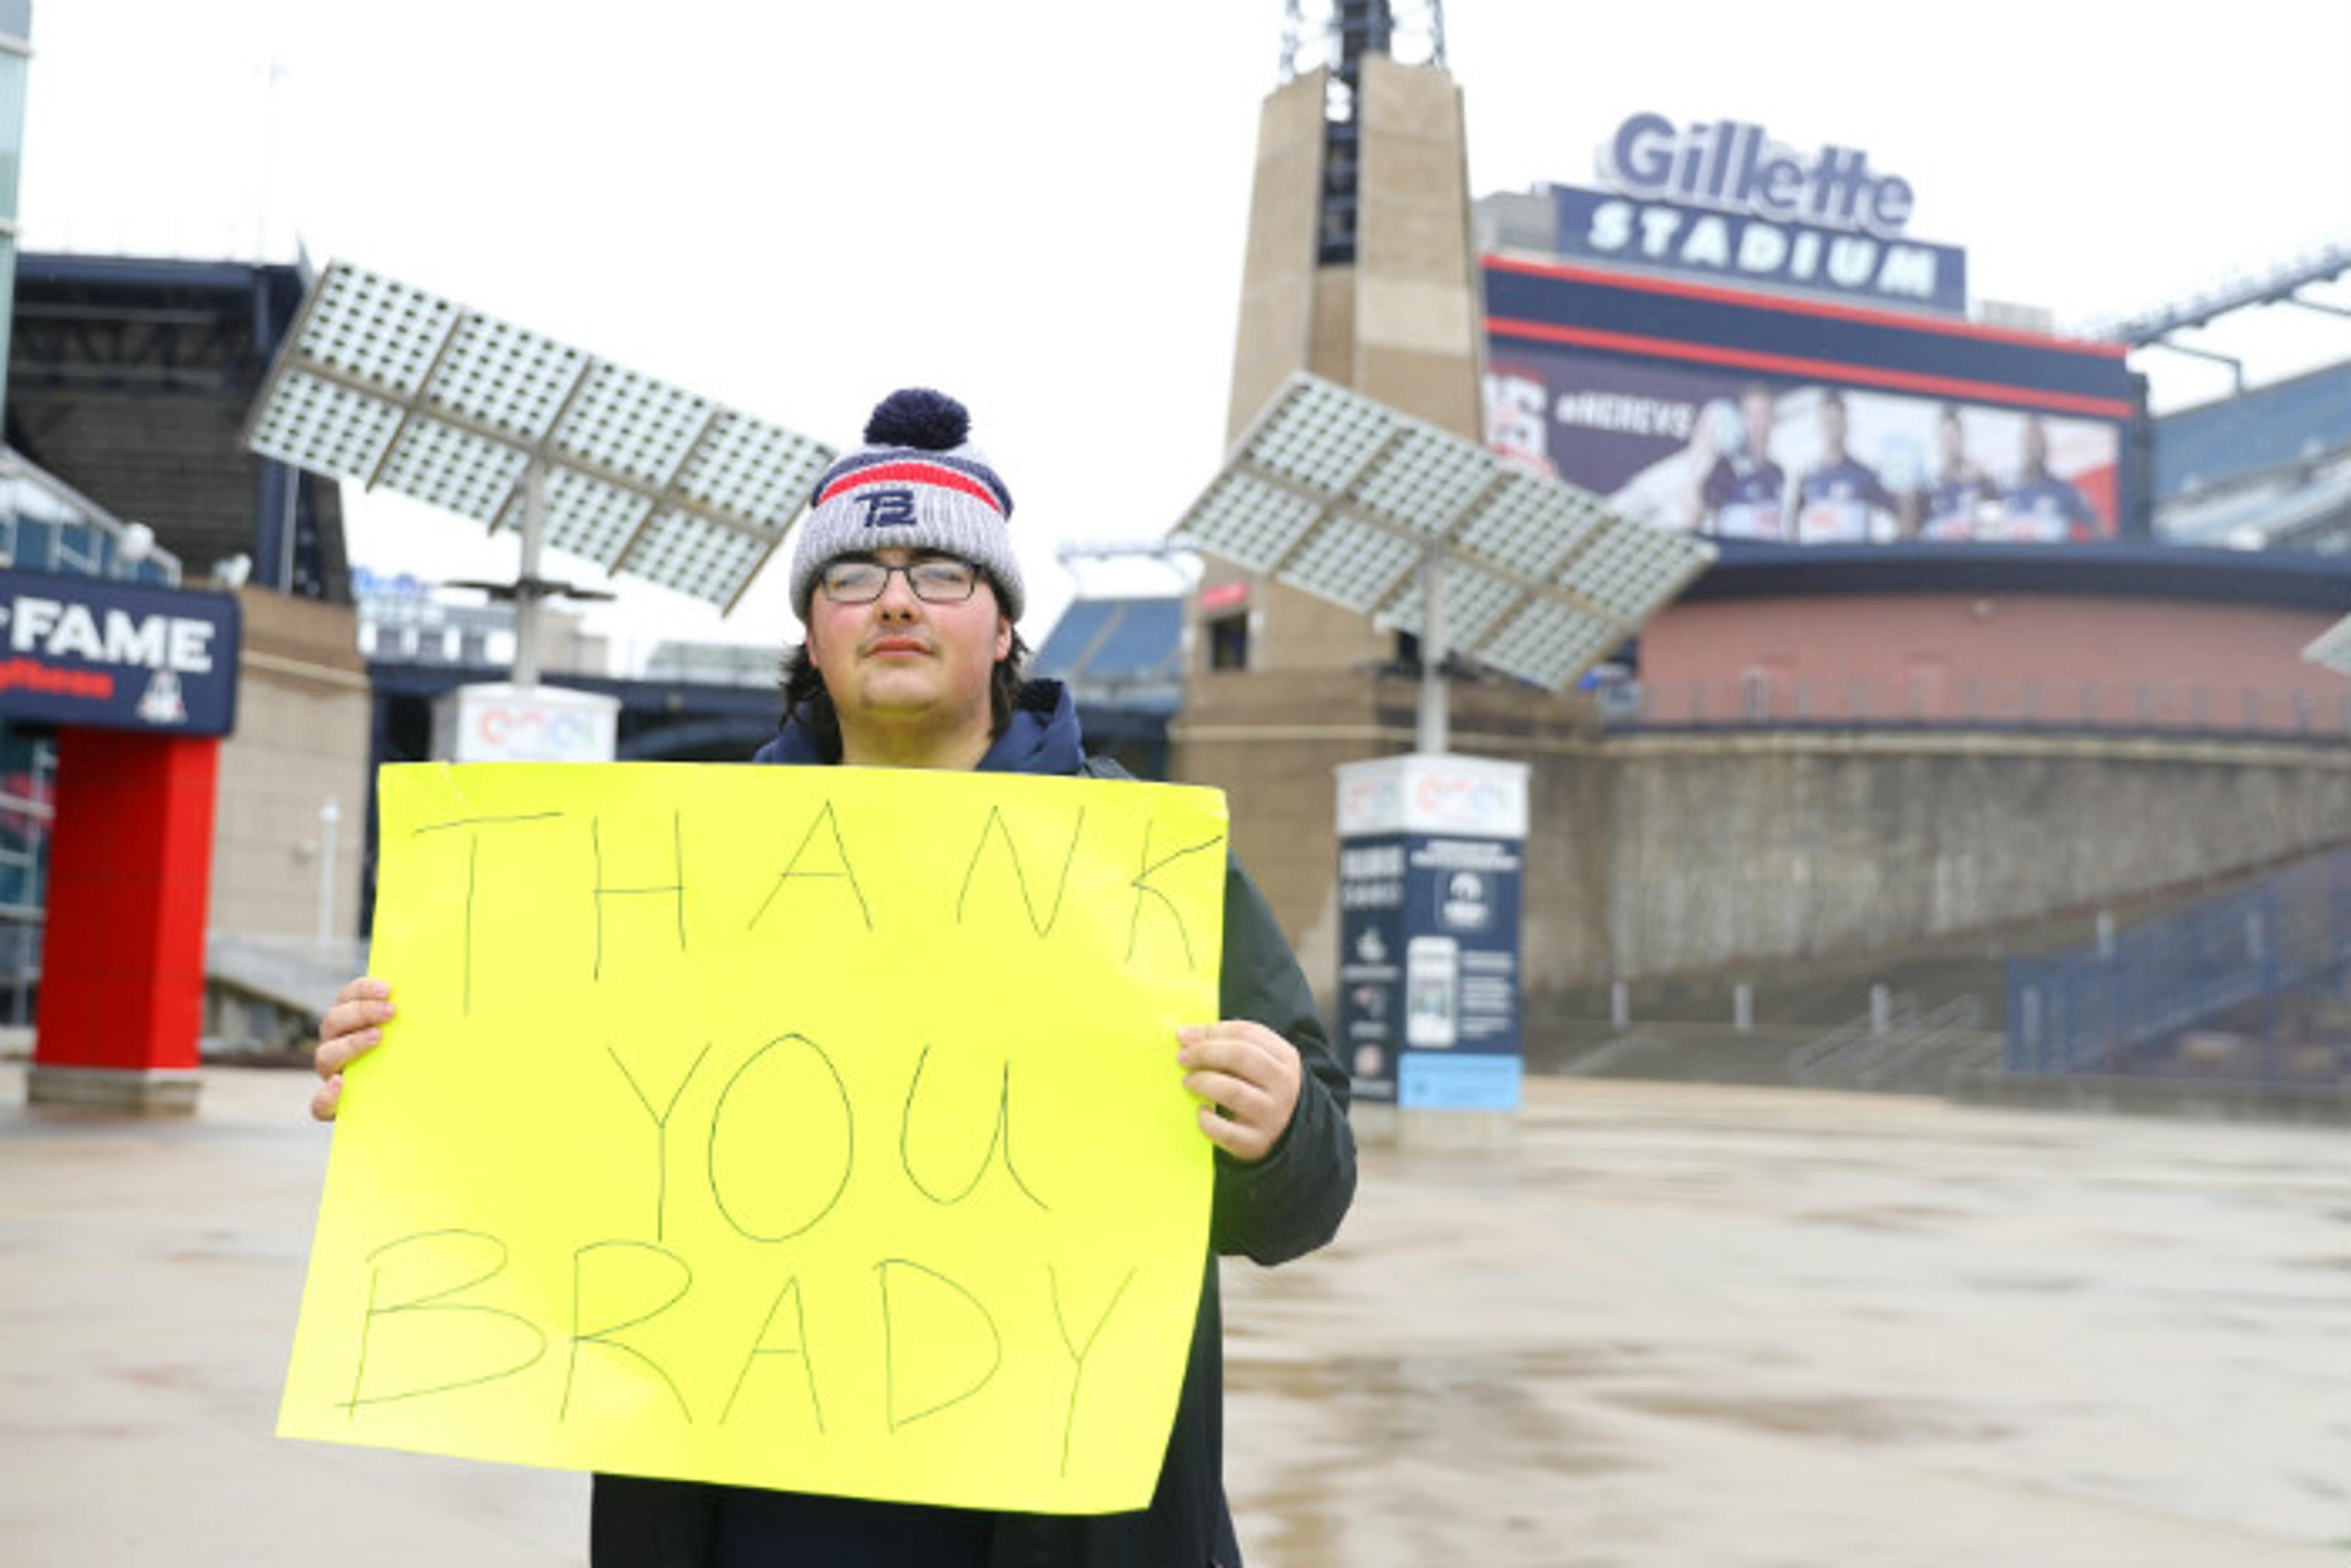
column 47, row 525
column 1760, row 700
column 1902, row 1044
column 2249, row 986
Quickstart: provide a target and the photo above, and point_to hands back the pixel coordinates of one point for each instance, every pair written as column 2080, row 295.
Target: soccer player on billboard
column 1962, row 490
column 2041, row 508
column 1744, row 493
column 1839, row 495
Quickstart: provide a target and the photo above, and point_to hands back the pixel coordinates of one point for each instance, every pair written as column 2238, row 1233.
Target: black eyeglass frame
column 970, row 573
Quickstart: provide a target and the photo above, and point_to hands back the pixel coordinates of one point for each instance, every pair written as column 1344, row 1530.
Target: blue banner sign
column 1429, row 969
column 117, row 655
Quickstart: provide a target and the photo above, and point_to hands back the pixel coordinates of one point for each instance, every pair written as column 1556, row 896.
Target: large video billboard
column 1751, row 416
column 1799, row 463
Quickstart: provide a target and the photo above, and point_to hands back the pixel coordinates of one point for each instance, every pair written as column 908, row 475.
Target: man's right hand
column 353, row 1025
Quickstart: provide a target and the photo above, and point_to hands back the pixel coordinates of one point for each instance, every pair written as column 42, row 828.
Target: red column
column 122, row 960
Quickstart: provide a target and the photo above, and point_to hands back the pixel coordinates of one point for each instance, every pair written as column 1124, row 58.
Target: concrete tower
column 1359, row 269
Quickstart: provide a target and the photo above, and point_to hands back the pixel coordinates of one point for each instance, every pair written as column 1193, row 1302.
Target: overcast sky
column 1040, row 204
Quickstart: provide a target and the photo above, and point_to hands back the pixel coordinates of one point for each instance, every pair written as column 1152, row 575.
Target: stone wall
column 1791, row 846
column 301, row 739
column 1657, row 856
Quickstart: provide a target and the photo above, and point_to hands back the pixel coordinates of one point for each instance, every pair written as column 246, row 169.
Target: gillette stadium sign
column 1722, row 200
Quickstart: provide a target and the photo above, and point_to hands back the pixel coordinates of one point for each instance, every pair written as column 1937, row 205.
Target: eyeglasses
column 935, row 579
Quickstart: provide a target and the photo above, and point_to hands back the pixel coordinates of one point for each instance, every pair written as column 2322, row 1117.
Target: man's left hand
column 1246, row 1076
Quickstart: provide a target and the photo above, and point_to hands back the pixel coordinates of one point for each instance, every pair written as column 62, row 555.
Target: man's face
column 903, row 662
column 1833, row 427
column 2036, row 446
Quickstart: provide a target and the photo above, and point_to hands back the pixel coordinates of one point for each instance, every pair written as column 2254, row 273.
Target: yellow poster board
column 808, row 1128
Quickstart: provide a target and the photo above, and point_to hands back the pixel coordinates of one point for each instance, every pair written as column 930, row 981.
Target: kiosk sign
column 496, row 722
column 1429, row 871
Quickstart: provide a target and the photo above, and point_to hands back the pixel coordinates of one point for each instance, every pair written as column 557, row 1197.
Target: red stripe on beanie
column 915, row 472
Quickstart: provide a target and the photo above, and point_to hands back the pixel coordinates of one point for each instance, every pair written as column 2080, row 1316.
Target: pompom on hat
column 916, row 483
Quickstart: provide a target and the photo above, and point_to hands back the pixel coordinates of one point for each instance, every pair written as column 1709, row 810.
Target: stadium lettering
column 1711, row 242
column 1733, row 166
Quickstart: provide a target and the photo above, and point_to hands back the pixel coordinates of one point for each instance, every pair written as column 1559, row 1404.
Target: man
column 1962, row 491
column 2041, row 508
column 1744, row 493
column 1838, row 497
column 905, row 581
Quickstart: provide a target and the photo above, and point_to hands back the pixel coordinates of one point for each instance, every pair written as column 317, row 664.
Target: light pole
column 330, row 815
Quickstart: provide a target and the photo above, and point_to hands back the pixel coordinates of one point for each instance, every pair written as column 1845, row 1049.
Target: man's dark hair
column 809, row 705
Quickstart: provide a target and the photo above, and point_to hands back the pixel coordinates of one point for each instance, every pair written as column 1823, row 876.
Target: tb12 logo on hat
column 884, row 508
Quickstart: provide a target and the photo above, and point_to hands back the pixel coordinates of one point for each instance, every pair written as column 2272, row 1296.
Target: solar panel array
column 2332, row 648
column 1342, row 497
column 389, row 385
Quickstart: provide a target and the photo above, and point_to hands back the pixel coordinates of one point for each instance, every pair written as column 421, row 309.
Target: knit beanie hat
column 916, row 483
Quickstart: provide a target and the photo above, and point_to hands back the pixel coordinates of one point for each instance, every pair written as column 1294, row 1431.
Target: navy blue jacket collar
column 1044, row 737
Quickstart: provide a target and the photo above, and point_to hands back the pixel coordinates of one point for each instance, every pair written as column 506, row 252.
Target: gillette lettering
column 1732, row 166
column 60, row 629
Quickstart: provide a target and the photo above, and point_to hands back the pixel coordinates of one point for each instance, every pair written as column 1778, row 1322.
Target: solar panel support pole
column 330, row 815
column 289, row 513
column 526, row 580
column 1435, row 720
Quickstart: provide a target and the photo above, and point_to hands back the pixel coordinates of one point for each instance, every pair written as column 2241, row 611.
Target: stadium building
column 1967, row 673
column 1991, row 664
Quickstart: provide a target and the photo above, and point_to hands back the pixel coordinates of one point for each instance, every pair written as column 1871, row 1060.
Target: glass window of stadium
column 1228, row 641
column 28, row 776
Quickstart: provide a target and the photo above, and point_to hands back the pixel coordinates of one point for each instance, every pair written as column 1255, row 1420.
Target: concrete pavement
column 1668, row 1324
